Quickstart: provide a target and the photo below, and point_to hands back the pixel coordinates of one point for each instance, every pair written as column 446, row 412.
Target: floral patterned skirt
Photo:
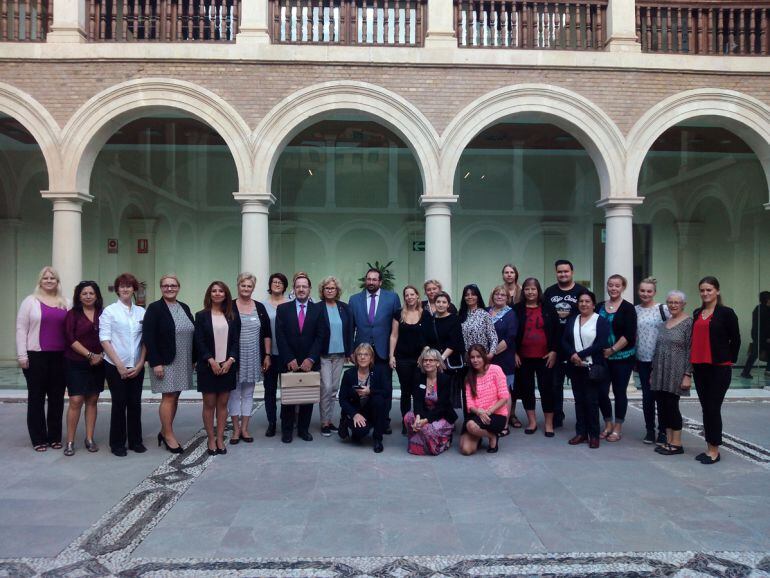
column 432, row 439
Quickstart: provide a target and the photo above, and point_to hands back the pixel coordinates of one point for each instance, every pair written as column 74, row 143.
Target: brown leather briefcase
column 300, row 387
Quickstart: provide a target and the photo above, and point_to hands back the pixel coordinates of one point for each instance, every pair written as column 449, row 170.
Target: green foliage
column 388, row 278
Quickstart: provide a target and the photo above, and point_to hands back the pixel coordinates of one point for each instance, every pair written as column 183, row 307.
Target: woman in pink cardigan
column 486, row 395
column 40, row 346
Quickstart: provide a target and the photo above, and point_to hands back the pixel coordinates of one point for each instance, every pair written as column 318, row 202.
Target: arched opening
column 154, row 174
column 25, row 222
column 347, row 190
column 713, row 187
column 527, row 194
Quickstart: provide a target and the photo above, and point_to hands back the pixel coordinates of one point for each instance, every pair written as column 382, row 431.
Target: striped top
column 490, row 388
column 250, row 361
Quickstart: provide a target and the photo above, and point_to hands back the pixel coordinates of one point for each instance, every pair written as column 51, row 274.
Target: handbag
column 299, row 388
column 596, row 372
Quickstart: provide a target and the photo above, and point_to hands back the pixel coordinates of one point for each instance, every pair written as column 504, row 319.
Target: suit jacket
column 159, row 333
column 293, row 344
column 595, row 350
column 377, row 333
column 204, row 340
column 724, row 334
column 350, row 402
column 443, row 407
column 348, row 327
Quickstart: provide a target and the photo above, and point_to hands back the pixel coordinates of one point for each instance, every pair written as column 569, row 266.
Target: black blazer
column 349, row 400
column 623, row 323
column 724, row 334
column 295, row 345
column 550, row 322
column 204, row 339
column 264, row 326
column 446, row 333
column 443, row 407
column 347, row 327
column 159, row 333
column 596, row 349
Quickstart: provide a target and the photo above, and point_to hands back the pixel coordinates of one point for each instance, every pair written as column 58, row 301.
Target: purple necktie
column 372, row 306
column 301, row 316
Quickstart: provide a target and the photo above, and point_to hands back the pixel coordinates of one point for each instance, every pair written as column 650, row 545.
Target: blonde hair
column 168, row 276
column 361, row 348
column 620, row 278
column 324, row 282
column 61, row 302
column 405, row 308
column 650, row 281
column 246, row 276
column 498, row 289
column 430, row 353
column 435, row 282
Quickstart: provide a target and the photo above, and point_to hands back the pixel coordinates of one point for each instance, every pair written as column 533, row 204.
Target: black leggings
column 620, row 374
column 406, row 369
column 711, row 383
column 524, row 384
column 271, row 389
column 668, row 407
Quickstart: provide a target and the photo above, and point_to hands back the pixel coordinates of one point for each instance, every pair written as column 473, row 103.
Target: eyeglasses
column 169, row 286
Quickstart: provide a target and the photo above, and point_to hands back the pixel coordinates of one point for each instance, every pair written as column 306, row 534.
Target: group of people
column 475, row 361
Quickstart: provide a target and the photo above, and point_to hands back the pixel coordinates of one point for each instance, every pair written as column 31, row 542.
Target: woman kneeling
column 486, row 394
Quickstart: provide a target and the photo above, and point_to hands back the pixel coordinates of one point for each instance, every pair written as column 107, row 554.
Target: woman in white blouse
column 120, row 331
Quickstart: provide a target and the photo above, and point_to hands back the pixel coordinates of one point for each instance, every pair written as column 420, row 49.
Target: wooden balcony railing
column 534, row 25
column 25, row 20
column 719, row 28
column 163, row 20
column 348, row 22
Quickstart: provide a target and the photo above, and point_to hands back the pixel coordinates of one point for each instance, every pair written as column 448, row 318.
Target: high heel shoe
column 221, row 451
column 69, row 449
column 176, row 450
column 493, row 450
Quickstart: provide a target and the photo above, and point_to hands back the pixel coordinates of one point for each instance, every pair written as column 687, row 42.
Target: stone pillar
column 67, row 254
column 440, row 33
column 254, row 27
column 621, row 27
column 619, row 243
column 438, row 238
column 255, row 247
column 69, row 21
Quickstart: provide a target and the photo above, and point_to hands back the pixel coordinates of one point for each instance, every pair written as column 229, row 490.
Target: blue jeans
column 650, row 400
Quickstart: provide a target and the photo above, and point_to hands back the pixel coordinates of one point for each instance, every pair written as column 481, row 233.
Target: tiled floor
column 538, row 506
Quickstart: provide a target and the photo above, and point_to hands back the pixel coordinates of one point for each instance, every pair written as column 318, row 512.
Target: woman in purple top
column 40, row 349
column 83, row 362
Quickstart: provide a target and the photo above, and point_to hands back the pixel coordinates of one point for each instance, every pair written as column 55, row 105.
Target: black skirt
column 83, row 378
column 210, row 383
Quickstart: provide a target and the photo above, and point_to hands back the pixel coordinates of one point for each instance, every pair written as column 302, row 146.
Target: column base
column 441, row 41
column 253, row 36
column 66, row 35
column 622, row 44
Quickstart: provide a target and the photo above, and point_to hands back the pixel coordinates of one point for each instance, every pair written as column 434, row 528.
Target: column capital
column 619, row 206
column 66, row 198
column 254, row 202
column 436, row 205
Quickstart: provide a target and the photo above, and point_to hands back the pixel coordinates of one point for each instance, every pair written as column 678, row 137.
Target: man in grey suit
column 373, row 310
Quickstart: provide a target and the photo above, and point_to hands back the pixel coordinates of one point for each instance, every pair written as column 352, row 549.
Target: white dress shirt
column 122, row 327
column 586, row 335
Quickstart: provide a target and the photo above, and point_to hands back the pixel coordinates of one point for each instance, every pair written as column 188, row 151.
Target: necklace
column 706, row 314
column 609, row 305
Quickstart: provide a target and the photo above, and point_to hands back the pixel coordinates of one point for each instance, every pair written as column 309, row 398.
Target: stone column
column 255, row 248
column 254, row 27
column 69, row 21
column 621, row 27
column 67, row 254
column 438, row 238
column 619, row 242
column 440, row 33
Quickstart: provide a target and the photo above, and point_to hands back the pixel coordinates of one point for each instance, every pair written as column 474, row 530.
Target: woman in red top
column 486, row 395
column 83, row 362
column 535, row 353
column 716, row 341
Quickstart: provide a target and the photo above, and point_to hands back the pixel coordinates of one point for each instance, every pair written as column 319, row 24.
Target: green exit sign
column 418, row 246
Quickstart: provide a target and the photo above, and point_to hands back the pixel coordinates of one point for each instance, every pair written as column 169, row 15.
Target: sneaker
column 661, row 440
column 326, row 431
column 332, row 428
column 649, row 438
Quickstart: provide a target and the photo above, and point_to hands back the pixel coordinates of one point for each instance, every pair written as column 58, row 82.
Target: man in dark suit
column 301, row 334
column 373, row 310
